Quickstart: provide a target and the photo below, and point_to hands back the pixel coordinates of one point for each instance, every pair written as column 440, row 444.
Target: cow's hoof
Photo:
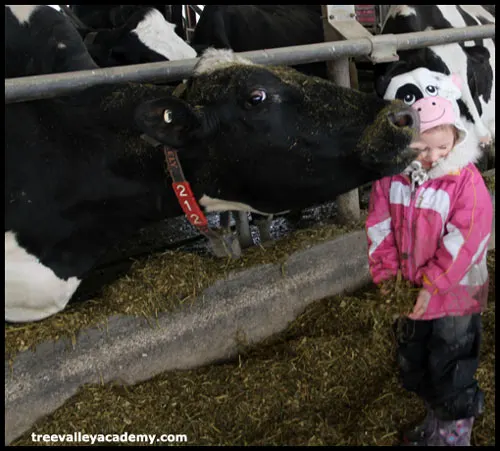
column 267, row 244
column 264, row 227
column 246, row 241
column 265, row 236
column 226, row 246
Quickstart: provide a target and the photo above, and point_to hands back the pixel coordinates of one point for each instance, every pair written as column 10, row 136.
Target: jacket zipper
column 413, row 196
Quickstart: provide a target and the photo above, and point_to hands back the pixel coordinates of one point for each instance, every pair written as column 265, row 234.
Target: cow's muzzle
column 406, row 117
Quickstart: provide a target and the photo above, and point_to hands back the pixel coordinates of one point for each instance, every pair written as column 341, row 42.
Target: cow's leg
column 294, row 217
column 491, row 153
column 225, row 244
column 482, row 131
column 490, row 156
column 243, row 229
column 264, row 225
column 483, row 161
column 225, row 220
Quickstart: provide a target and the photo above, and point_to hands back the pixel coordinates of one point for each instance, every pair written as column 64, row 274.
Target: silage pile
column 163, row 282
column 329, row 379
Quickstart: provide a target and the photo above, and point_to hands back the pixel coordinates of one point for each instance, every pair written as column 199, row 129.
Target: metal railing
column 53, row 85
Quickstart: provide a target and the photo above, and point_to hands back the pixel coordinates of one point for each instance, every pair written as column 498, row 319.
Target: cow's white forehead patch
column 22, row 12
column 213, row 59
column 159, row 35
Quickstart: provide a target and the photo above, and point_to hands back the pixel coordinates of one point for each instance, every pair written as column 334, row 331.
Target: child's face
column 435, row 144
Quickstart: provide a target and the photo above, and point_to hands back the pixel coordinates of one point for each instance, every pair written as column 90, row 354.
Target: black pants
column 438, row 359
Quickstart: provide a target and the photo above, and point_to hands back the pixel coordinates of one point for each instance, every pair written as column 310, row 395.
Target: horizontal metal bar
column 421, row 39
column 52, row 85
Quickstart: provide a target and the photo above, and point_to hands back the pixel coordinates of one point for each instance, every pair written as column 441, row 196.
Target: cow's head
column 276, row 139
column 144, row 37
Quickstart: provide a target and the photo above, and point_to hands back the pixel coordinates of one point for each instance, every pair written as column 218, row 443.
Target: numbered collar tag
column 189, row 205
column 183, row 192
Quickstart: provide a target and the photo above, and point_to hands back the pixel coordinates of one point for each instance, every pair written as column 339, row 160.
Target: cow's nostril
column 402, row 119
column 419, row 109
column 433, row 103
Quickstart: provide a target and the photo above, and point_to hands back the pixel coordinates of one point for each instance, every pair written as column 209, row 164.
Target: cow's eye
column 431, row 90
column 409, row 99
column 256, row 97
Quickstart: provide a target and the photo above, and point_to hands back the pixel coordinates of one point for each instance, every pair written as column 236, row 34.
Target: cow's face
column 277, row 135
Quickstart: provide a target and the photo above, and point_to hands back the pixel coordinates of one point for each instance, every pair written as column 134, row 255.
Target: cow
column 472, row 61
column 80, row 178
column 119, row 35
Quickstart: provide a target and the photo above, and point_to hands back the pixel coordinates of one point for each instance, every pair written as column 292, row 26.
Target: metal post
column 338, row 71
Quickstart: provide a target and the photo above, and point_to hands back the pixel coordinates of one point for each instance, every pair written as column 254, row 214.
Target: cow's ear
column 170, row 121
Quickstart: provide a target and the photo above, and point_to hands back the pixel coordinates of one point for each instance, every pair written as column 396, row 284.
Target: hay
column 161, row 283
column 400, row 297
column 329, row 379
column 489, row 180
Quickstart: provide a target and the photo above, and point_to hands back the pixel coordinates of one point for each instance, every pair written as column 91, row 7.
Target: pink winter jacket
column 437, row 235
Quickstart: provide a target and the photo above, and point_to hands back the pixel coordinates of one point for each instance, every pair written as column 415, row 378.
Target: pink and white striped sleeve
column 383, row 257
column 465, row 241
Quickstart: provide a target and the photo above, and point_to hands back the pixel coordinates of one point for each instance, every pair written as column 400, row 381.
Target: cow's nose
column 405, row 118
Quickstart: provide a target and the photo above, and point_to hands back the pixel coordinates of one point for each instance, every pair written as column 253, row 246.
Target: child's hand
column 420, row 305
column 386, row 287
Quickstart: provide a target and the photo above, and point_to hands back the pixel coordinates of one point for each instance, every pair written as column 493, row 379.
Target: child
column 433, row 223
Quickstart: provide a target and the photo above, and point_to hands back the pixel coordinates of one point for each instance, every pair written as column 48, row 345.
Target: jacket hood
column 465, row 151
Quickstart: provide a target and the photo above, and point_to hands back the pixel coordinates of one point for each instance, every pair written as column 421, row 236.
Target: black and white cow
column 80, row 179
column 472, row 61
column 119, row 35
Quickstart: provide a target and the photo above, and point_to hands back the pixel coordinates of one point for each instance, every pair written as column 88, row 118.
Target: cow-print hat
column 421, row 83
column 413, row 86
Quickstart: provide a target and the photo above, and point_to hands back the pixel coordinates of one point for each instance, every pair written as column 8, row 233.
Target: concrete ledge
column 247, row 307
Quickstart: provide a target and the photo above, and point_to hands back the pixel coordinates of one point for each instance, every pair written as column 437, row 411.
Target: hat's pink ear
column 457, row 80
